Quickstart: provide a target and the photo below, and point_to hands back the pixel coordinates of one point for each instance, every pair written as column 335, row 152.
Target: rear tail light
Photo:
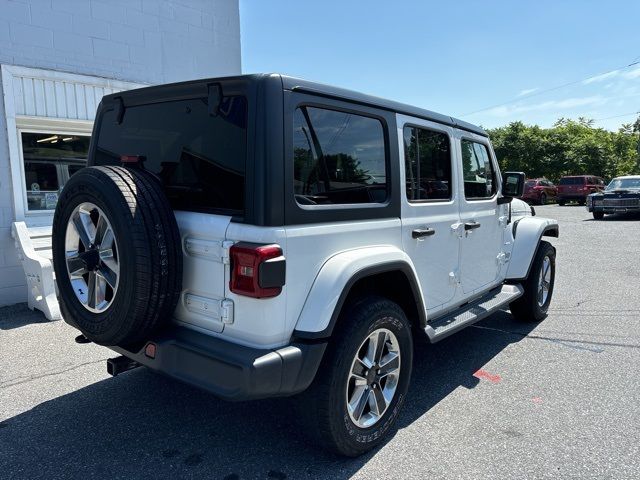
column 257, row 270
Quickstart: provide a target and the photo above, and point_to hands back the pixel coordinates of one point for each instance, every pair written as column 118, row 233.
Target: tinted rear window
column 572, row 181
column 200, row 158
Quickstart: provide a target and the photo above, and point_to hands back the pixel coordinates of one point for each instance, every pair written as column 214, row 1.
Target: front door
column 482, row 223
column 430, row 208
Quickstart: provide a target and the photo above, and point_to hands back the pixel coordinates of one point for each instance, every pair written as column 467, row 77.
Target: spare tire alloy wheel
column 374, row 378
column 92, row 257
column 117, row 255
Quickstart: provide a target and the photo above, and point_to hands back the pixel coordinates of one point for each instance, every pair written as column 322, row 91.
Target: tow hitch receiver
column 120, row 364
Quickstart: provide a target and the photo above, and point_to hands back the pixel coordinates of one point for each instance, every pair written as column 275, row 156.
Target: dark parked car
column 622, row 195
column 577, row 187
column 540, row 191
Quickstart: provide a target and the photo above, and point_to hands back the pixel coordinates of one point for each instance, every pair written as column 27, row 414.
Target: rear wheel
column 598, row 215
column 533, row 305
column 363, row 379
column 543, row 199
column 561, row 202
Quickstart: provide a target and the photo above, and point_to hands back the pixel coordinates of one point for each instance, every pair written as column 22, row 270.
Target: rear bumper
column 231, row 371
column 572, row 196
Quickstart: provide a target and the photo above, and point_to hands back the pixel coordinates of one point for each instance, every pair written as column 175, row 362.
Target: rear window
column 200, row 158
column 572, row 181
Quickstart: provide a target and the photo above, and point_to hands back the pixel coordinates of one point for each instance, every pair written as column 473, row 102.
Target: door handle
column 422, row 232
column 471, row 225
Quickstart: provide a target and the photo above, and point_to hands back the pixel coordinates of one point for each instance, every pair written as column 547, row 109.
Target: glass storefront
column 49, row 160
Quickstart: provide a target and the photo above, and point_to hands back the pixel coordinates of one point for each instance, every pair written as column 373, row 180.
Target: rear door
column 430, row 207
column 482, row 220
column 200, row 159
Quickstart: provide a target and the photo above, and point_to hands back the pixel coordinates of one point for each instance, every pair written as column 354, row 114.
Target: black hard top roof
column 298, row 84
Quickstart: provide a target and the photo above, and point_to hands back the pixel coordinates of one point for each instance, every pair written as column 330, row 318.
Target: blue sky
column 458, row 57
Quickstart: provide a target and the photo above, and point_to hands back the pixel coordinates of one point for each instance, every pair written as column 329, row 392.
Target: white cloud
column 527, row 91
column 616, row 74
column 567, row 103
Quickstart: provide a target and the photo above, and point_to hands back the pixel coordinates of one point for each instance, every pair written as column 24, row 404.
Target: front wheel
column 533, row 305
column 543, row 199
column 598, row 215
column 562, row 203
column 362, row 382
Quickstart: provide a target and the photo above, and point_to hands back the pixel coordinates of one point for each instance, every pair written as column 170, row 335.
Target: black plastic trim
column 228, row 370
column 367, row 272
column 272, row 273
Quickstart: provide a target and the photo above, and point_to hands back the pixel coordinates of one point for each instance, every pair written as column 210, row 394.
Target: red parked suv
column 539, row 190
column 577, row 187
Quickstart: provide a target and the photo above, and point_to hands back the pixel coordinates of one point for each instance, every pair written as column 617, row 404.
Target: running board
column 469, row 314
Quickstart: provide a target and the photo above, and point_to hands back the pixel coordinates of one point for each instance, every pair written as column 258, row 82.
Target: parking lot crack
column 22, row 380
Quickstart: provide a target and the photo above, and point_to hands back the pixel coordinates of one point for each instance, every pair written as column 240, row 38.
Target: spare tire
column 117, row 254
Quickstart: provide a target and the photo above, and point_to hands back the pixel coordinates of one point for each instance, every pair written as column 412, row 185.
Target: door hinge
column 454, row 277
column 226, row 245
column 226, row 311
column 503, row 220
column 503, row 257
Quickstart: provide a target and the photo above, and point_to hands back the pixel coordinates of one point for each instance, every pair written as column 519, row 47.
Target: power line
column 540, row 92
column 617, row 116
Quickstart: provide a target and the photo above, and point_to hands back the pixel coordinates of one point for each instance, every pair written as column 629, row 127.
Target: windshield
column 572, row 181
column 624, row 183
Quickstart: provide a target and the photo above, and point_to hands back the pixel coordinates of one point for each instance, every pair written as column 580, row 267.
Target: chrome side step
column 469, row 314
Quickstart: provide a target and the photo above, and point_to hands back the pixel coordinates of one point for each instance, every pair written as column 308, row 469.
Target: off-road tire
column 527, row 308
column 598, row 215
column 323, row 406
column 148, row 247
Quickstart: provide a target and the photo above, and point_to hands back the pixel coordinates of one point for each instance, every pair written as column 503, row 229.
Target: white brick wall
column 145, row 41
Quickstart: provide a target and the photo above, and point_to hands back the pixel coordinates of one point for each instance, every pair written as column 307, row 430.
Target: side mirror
column 513, row 184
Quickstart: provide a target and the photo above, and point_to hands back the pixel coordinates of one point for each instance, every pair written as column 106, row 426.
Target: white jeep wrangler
column 262, row 236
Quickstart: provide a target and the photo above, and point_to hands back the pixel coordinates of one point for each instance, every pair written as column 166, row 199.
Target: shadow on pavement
column 141, row 425
column 19, row 315
column 616, row 217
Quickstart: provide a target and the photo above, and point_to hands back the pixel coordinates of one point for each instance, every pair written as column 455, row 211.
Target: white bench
column 34, row 250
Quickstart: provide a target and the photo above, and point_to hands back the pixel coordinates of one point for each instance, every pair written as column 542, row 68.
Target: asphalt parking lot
column 499, row 400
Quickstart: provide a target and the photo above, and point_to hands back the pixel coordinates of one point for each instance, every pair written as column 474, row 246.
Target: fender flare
column 336, row 278
column 527, row 234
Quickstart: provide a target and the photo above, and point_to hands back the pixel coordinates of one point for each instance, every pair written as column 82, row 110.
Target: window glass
column 427, row 164
column 479, row 176
column 45, row 156
column 339, row 158
column 200, row 158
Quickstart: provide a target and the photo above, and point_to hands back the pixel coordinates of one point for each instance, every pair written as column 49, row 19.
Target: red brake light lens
column 256, row 270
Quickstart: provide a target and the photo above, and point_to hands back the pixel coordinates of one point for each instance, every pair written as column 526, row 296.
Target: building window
column 49, row 160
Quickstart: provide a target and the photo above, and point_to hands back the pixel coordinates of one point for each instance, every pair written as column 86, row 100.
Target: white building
column 59, row 57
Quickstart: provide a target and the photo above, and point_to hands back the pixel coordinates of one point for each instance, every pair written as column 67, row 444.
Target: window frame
column 63, row 176
column 493, row 162
column 296, row 213
column 451, row 163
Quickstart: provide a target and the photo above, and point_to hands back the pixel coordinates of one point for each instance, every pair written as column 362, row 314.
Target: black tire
column 561, row 203
column 148, row 247
column 598, row 215
column 582, row 203
column 543, row 199
column 527, row 308
column 323, row 406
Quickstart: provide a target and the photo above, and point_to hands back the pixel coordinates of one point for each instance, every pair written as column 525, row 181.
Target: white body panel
column 435, row 257
column 479, row 248
column 204, row 270
column 318, row 247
